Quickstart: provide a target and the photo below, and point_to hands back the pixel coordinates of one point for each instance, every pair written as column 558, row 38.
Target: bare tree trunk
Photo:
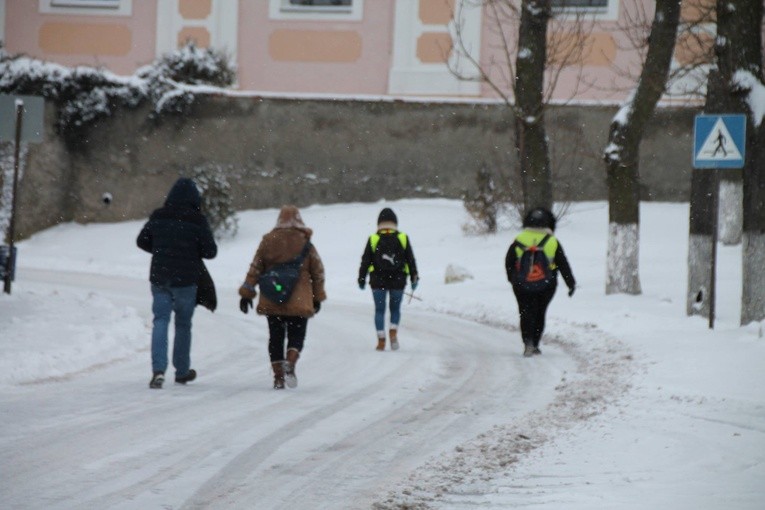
column 700, row 241
column 621, row 155
column 622, row 274
column 738, row 52
column 522, row 68
column 531, row 138
column 741, row 23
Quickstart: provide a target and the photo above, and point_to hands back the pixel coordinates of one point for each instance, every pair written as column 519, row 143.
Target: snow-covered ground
column 633, row 405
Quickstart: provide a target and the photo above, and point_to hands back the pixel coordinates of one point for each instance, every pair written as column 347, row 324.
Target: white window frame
column 283, row 10
column 408, row 76
column 93, row 7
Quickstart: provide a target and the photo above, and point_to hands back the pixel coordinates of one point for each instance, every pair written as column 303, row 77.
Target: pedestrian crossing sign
column 719, row 141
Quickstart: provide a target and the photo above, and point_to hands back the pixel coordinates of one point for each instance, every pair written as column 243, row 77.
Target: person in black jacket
column 178, row 236
column 538, row 229
column 388, row 258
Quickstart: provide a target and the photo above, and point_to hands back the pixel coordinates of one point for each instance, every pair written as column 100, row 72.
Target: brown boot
column 289, row 368
column 393, row 333
column 278, row 368
column 380, row 343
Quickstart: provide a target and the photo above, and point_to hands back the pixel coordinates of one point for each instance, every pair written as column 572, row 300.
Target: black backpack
column 532, row 270
column 389, row 255
column 278, row 282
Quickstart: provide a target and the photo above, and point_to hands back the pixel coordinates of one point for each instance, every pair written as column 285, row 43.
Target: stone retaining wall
column 307, row 151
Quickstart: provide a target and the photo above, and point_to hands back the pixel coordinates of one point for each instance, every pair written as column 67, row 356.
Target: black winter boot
column 183, row 379
column 157, row 380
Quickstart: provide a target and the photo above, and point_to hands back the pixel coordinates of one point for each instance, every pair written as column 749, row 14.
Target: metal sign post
column 719, row 142
column 13, row 110
column 10, row 269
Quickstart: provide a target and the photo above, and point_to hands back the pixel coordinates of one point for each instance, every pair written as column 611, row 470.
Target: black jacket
column 389, row 281
column 178, row 236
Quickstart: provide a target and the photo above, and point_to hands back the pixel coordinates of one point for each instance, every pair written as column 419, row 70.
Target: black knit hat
column 539, row 218
column 387, row 216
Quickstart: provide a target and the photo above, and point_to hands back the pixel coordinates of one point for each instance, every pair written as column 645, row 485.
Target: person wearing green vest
column 388, row 259
column 535, row 279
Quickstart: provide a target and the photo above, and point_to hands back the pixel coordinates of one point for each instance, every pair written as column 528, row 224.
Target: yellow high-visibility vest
column 374, row 239
column 533, row 238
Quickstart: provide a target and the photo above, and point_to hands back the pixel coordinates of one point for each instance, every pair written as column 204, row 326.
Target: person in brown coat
column 284, row 243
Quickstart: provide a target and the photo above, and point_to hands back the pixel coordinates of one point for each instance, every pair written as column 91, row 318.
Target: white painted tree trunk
column 622, row 275
column 699, row 274
column 753, row 264
column 731, row 212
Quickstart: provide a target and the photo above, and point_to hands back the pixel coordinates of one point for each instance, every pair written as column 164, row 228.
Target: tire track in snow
column 358, row 423
column 352, row 469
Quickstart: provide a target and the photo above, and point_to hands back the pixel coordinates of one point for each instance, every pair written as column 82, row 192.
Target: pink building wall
column 360, row 64
column 392, row 49
column 118, row 43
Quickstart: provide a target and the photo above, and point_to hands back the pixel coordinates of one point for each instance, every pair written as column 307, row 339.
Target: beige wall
column 330, row 56
column 325, row 57
column 119, row 43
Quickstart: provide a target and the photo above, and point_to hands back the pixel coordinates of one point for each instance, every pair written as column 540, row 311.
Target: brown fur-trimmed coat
column 284, row 243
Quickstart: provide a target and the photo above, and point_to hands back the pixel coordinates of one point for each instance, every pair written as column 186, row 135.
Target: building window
column 579, row 4
column 350, row 10
column 93, row 7
column 599, row 9
column 321, row 4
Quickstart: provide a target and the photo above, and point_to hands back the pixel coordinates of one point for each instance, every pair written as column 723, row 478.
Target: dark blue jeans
column 380, row 296
column 181, row 301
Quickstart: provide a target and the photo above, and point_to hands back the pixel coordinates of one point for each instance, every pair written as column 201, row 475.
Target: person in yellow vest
column 532, row 264
column 388, row 258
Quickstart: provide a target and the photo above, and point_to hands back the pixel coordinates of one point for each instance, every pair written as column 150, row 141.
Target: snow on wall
column 85, row 94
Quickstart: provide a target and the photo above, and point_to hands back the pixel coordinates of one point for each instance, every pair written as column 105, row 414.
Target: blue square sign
column 719, row 141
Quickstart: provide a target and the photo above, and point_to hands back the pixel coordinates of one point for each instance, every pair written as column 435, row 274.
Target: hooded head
column 539, row 217
column 289, row 217
column 184, row 193
column 387, row 219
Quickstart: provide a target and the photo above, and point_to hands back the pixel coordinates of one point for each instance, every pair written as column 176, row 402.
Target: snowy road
column 358, row 424
column 633, row 405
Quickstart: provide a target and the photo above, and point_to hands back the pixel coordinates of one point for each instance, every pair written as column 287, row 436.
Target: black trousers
column 280, row 325
column 532, row 309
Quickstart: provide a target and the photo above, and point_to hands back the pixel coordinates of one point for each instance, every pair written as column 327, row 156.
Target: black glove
column 362, row 283
column 571, row 291
column 316, row 306
column 245, row 304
